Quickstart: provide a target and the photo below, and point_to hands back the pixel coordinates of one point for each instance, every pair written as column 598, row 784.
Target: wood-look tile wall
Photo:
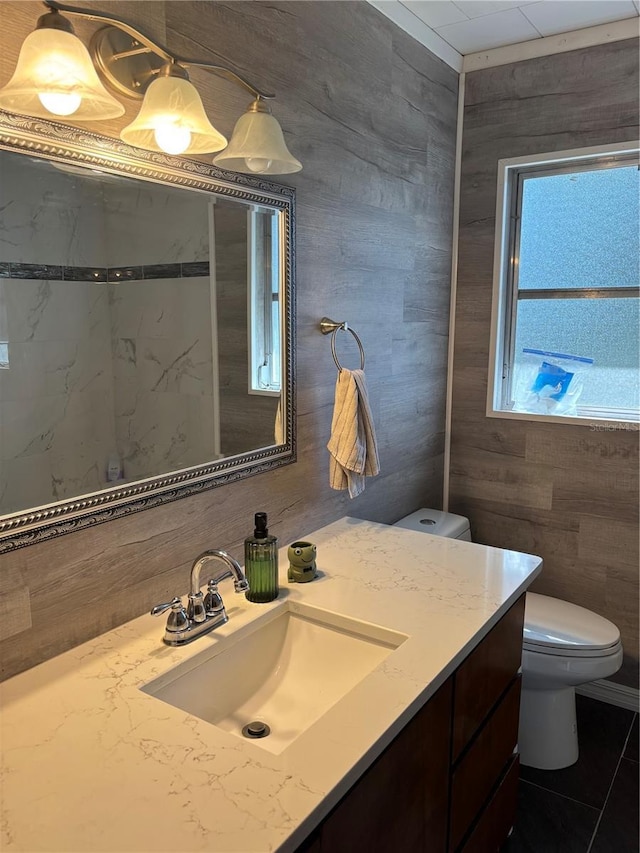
column 568, row 493
column 371, row 114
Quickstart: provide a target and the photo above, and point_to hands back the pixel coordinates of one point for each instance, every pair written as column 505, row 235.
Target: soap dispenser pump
column 261, row 562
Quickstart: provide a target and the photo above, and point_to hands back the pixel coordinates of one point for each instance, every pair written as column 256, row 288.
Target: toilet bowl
column 563, row 646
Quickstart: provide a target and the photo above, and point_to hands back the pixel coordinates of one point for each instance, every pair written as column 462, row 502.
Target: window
column 566, row 318
column 265, row 358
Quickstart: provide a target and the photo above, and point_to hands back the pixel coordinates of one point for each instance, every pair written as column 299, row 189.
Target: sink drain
column 256, row 729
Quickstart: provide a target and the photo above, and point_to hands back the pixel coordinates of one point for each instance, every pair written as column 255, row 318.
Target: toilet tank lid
column 554, row 623
column 436, row 522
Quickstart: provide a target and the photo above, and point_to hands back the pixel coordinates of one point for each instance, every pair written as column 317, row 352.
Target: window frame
column 512, row 173
column 268, row 333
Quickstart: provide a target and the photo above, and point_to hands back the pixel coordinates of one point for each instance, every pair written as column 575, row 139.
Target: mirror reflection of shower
column 127, row 329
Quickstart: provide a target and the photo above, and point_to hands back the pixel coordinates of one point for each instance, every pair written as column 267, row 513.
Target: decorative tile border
column 119, row 274
column 194, row 269
column 83, row 274
column 45, row 271
column 52, row 272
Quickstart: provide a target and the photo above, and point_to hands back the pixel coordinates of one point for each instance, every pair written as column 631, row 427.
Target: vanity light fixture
column 172, row 117
column 55, row 77
column 257, row 145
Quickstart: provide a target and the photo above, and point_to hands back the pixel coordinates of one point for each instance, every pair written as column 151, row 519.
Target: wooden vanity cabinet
column 400, row 804
column 448, row 782
column 486, row 709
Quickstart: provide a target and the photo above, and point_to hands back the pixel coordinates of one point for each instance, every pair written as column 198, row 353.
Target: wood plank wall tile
column 568, row 493
column 617, row 541
column 617, row 494
column 15, row 605
column 372, row 116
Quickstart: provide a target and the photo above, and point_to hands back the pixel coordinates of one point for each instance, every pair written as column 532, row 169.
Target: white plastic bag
column 549, row 383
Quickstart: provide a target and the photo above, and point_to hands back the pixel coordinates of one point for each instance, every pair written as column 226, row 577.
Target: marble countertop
column 92, row 763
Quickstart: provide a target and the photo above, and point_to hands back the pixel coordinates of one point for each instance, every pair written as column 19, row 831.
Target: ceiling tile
column 508, row 27
column 435, row 13
column 561, row 16
column 478, row 8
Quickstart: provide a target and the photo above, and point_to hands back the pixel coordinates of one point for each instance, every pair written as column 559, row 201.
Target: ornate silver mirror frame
column 61, row 143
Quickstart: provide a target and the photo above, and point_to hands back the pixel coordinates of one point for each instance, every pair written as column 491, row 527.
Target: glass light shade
column 172, row 119
column 55, row 77
column 257, row 146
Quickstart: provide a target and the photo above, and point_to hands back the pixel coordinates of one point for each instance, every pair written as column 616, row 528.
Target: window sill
column 596, row 424
column 263, row 392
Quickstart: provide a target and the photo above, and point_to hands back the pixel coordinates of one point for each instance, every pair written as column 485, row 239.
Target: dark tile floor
column 591, row 807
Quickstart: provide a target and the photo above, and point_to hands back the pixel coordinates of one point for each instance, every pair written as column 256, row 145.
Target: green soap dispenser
column 261, row 562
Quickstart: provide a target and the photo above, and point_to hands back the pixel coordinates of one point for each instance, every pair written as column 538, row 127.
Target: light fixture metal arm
column 228, row 74
column 155, row 47
column 91, row 15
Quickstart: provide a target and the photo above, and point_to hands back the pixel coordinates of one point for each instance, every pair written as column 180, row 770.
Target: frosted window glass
column 606, row 330
column 580, row 229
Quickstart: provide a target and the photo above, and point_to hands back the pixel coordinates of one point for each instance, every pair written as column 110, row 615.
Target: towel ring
column 330, row 327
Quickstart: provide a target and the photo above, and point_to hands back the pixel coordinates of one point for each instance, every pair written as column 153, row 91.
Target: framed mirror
column 146, row 328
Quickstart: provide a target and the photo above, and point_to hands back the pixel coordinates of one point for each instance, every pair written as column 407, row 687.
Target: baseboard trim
column 614, row 694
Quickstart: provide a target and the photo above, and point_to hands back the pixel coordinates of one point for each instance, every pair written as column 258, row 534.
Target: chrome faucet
column 202, row 613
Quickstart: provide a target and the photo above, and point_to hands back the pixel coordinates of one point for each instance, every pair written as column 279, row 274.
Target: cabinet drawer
column 491, row 831
column 400, row 803
column 480, row 768
column 484, row 675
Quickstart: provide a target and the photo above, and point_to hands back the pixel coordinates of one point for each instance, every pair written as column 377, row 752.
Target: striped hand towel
column 353, row 446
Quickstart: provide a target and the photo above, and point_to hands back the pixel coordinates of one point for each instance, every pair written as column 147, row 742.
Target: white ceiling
column 473, row 34
column 469, row 26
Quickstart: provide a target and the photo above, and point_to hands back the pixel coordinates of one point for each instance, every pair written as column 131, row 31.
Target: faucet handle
column 177, row 619
column 159, row 609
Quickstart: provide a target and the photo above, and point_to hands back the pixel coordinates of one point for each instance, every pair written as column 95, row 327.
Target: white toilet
column 564, row 645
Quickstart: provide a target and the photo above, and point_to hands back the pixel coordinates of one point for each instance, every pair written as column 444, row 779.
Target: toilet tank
column 437, row 523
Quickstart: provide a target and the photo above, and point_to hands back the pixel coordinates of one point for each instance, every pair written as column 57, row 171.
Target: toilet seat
column 555, row 627
column 557, row 651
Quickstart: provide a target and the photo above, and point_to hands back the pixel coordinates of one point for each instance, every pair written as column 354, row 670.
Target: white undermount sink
column 285, row 669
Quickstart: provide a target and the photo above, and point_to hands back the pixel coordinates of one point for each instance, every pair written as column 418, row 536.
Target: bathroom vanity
column 417, row 754
column 448, row 781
